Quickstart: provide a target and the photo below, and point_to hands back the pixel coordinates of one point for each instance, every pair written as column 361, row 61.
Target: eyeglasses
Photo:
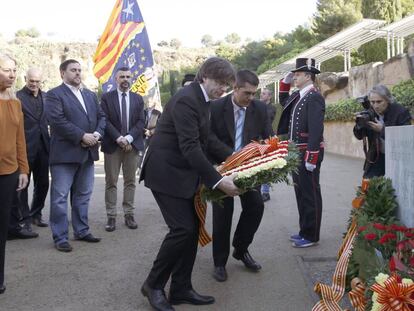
column 373, row 102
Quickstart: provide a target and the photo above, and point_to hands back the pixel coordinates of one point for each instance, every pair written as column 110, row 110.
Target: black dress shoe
column 130, row 222
column 156, row 298
column 22, row 233
column 191, row 297
column 89, row 238
column 64, row 247
column 110, row 226
column 2, row 289
column 248, row 260
column 38, row 221
column 220, row 274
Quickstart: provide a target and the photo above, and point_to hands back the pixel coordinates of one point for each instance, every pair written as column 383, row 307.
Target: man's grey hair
column 382, row 91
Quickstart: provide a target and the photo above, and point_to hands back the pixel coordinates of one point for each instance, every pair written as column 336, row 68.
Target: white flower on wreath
column 279, row 163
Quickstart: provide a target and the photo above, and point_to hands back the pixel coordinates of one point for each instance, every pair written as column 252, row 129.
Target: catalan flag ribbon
column 125, row 43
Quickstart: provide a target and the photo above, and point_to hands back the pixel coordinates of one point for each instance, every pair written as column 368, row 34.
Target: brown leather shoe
column 110, row 226
column 130, row 222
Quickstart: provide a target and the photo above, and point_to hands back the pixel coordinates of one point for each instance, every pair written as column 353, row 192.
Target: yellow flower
column 381, row 278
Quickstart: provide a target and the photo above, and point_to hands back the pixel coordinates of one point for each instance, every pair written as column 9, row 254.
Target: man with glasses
column 122, row 141
column 37, row 146
column 236, row 120
column 174, row 167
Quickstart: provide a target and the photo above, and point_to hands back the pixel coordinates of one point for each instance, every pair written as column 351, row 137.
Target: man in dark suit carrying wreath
column 174, row 167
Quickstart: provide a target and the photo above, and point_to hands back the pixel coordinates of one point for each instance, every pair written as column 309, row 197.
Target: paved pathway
column 107, row 276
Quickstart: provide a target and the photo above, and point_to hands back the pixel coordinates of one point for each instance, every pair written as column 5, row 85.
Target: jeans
column 78, row 179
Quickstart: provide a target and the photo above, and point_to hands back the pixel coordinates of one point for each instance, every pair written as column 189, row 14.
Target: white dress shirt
column 77, row 92
column 128, row 137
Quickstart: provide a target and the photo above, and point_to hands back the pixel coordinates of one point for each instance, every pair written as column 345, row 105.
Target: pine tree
column 332, row 16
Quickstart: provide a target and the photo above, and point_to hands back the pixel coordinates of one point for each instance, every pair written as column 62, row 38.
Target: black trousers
column 309, row 201
column 249, row 221
column 178, row 250
column 8, row 185
column 376, row 169
column 20, row 212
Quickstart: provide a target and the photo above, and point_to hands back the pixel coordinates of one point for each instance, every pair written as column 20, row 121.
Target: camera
column 368, row 114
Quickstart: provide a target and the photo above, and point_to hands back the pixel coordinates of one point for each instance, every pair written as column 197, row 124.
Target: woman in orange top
column 13, row 159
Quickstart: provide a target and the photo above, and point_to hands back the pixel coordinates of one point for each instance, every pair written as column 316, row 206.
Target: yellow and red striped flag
column 125, row 43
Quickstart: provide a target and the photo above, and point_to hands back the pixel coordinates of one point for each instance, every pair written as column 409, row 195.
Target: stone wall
column 340, row 139
column 360, row 79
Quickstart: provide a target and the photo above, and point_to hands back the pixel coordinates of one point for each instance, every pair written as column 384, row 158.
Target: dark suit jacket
column 256, row 123
column 69, row 122
column 35, row 128
column 302, row 119
column 110, row 106
column 176, row 160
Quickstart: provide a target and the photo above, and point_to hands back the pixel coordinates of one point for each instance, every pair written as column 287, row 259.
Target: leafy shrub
column 404, row 94
column 344, row 110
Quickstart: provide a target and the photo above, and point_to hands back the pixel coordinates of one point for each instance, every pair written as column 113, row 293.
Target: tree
column 227, row 51
column 232, row 38
column 207, row 40
column 30, row 32
column 175, row 43
column 407, row 7
column 388, row 10
column 252, row 55
column 332, row 16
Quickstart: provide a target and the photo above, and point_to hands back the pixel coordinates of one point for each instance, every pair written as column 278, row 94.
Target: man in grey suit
column 122, row 142
column 77, row 123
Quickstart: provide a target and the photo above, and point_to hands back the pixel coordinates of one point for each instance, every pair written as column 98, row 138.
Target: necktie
column 124, row 121
column 238, row 141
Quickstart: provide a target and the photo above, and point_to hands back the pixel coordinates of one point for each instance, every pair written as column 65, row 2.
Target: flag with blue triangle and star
column 125, row 43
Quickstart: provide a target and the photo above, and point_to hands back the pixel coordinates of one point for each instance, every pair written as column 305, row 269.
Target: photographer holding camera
column 381, row 110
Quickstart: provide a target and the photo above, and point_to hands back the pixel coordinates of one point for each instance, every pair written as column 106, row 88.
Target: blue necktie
column 238, row 141
column 124, row 121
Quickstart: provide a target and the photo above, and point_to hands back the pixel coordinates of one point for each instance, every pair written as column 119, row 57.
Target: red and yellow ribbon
column 357, row 294
column 332, row 295
column 394, row 296
column 201, row 209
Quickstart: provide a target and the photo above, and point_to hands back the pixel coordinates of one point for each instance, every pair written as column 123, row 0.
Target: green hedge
column 344, row 110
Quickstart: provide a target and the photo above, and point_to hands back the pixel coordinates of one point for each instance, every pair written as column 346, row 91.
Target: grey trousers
column 112, row 164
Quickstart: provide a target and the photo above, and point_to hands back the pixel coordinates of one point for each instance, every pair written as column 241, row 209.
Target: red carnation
column 401, row 245
column 379, row 226
column 392, row 264
column 362, row 228
column 398, row 228
column 409, row 234
column 412, row 261
column 383, row 239
column 370, row 236
column 391, row 236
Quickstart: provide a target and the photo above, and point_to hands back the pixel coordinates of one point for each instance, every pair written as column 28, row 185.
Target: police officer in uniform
column 302, row 120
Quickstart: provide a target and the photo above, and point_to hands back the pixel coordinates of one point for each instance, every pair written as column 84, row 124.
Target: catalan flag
column 125, row 43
